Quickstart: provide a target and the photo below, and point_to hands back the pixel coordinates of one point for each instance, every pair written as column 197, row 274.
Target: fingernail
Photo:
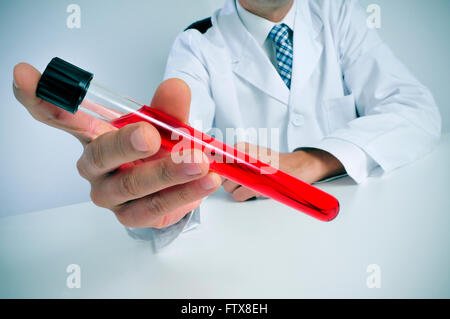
column 190, row 163
column 208, row 182
column 15, row 84
column 138, row 141
column 191, row 169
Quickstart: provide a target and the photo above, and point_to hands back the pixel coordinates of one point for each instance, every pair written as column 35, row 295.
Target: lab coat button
column 298, row 120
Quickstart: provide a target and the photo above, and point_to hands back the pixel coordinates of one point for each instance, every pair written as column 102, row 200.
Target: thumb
column 81, row 125
column 173, row 97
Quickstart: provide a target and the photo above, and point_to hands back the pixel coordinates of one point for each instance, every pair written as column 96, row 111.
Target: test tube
column 72, row 88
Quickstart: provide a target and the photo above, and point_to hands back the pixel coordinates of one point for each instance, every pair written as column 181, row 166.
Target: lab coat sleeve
column 161, row 238
column 186, row 62
column 398, row 119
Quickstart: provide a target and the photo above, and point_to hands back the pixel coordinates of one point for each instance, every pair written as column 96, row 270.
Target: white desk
column 400, row 222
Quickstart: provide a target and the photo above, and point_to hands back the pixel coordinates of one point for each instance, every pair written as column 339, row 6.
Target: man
column 311, row 68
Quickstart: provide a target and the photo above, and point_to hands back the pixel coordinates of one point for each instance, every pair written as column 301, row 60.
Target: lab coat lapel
column 255, row 67
column 307, row 48
column 249, row 60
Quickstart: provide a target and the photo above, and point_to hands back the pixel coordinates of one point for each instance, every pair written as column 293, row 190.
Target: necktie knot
column 280, row 34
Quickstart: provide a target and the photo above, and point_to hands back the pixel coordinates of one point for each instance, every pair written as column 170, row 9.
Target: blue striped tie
column 285, row 54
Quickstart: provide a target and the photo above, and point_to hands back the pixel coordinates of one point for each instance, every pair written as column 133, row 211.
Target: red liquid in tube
column 239, row 167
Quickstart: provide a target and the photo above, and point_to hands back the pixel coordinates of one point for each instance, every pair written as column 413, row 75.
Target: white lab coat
column 349, row 94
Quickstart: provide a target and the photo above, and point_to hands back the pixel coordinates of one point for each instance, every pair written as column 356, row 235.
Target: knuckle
column 162, row 222
column 229, row 186
column 94, row 155
column 243, row 194
column 157, row 204
column 238, row 194
column 238, row 197
column 184, row 195
column 120, row 143
column 96, row 197
column 123, row 217
column 81, row 167
column 165, row 172
column 129, row 185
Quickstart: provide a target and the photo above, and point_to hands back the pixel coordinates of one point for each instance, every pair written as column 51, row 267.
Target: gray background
column 125, row 43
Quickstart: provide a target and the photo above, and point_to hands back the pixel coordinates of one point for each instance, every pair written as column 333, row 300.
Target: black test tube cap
column 64, row 84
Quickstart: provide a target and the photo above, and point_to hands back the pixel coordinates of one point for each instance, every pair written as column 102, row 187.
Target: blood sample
column 72, row 88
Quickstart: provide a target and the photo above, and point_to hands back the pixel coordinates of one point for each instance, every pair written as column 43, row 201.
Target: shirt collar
column 259, row 27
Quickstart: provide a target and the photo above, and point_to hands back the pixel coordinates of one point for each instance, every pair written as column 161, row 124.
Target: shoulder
column 200, row 36
column 333, row 12
column 201, row 26
column 336, row 17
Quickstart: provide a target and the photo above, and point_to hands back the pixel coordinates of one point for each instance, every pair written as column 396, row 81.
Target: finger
column 152, row 210
column 81, row 125
column 262, row 153
column 173, row 97
column 229, row 186
column 148, row 178
column 115, row 148
column 241, row 194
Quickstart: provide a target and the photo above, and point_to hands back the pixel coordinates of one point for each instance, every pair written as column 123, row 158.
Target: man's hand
column 128, row 172
column 309, row 165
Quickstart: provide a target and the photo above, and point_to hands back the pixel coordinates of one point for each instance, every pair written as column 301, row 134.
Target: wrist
column 311, row 165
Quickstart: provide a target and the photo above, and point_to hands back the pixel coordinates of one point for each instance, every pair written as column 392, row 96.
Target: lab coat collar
column 259, row 27
column 252, row 64
column 307, row 46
